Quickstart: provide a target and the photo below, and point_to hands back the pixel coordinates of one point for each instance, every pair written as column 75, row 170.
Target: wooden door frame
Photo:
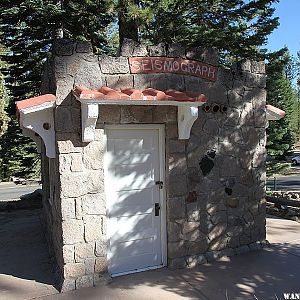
column 162, row 172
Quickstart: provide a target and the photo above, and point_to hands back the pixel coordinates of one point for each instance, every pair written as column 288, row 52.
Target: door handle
column 156, row 209
column 160, row 184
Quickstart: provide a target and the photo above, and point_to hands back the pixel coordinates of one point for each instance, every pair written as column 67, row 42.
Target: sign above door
column 148, row 65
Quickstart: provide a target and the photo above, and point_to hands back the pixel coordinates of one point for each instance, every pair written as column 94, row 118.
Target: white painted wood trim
column 36, row 138
column 89, row 117
column 187, row 114
column 162, row 192
column 33, row 119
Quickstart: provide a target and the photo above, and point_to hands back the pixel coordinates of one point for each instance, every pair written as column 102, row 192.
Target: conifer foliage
column 281, row 93
column 238, row 28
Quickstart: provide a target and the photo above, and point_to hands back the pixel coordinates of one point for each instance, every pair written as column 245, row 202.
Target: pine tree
column 281, row 93
column 28, row 29
column 236, row 28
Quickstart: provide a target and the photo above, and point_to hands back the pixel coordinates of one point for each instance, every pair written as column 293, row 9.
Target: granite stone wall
column 214, row 180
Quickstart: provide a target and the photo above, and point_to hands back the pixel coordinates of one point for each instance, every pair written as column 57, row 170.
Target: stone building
column 153, row 158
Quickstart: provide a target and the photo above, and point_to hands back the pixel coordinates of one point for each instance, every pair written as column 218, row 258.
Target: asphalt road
column 284, row 183
column 12, row 191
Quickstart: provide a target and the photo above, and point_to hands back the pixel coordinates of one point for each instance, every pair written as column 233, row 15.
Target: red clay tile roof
column 106, row 93
column 275, row 110
column 34, row 101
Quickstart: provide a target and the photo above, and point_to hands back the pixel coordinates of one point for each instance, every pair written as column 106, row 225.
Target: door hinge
column 160, row 183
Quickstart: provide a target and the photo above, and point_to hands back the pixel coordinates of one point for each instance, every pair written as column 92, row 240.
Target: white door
column 132, row 169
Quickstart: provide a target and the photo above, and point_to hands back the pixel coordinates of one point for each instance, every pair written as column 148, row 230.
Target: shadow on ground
column 25, row 269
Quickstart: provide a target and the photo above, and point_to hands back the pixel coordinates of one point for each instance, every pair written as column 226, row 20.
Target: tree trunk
column 127, row 28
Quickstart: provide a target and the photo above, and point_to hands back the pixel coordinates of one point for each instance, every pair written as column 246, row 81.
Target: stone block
column 258, row 67
column 109, row 114
column 159, row 82
column 94, row 204
column 102, row 279
column 119, row 82
column 101, row 265
column 209, row 55
column 95, row 182
column 177, row 186
column 84, row 47
column 88, row 74
column 176, row 146
column 165, row 114
column 217, row 231
column 199, row 247
column 225, row 77
column 101, row 247
column 177, row 164
column 176, row 50
column 63, row 47
column 84, row 251
column 93, row 154
column 176, row 208
column 76, row 162
column 234, row 99
column 136, row 114
column 68, row 254
column 175, row 82
column 64, row 163
column 74, row 185
column 177, row 263
column 89, row 265
column 174, row 232
column 260, row 118
column 194, row 84
column 193, row 212
column 177, row 249
column 142, row 81
column 211, row 127
column 171, row 130
column 191, row 231
column 78, row 209
column 93, row 228
column 74, row 270
column 68, row 143
column 219, row 217
column 72, row 231
column 127, row 47
column 114, row 65
column 212, row 256
column 219, row 243
column 85, row 281
column 68, row 285
column 63, row 119
column 254, row 80
column 68, row 208
column 157, row 50
column 140, row 50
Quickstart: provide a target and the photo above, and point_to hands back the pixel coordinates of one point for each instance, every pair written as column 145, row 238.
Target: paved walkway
column 262, row 275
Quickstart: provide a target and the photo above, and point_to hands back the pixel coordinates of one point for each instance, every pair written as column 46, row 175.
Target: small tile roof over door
column 106, row 93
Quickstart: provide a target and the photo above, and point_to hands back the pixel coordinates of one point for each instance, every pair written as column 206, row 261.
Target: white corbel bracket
column 187, row 115
column 39, row 119
column 35, row 137
column 89, row 116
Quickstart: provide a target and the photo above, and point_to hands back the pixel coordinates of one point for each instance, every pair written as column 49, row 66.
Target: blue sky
column 288, row 32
